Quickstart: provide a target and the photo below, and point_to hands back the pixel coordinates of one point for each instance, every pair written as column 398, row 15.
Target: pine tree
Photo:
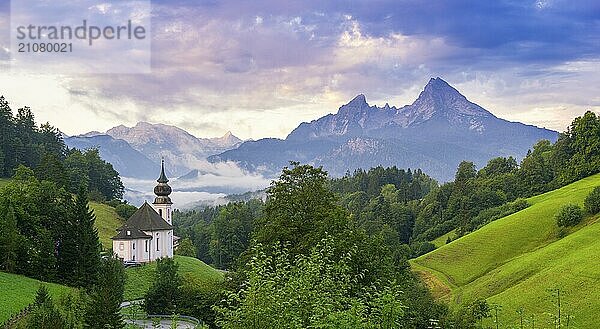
column 79, row 250
column 104, row 310
column 89, row 243
column 44, row 314
column 6, row 136
column 41, row 295
column 68, row 252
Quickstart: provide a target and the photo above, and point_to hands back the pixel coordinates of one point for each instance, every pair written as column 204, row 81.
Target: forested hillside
column 47, row 230
column 412, row 205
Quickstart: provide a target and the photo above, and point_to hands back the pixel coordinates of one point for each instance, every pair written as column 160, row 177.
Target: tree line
column 41, row 148
column 471, row 200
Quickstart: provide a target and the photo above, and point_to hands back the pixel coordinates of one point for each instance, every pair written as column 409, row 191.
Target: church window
column 146, row 245
column 160, row 212
column 157, row 249
column 134, row 246
column 121, row 246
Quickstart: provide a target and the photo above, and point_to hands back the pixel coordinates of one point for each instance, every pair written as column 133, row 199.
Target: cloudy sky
column 259, row 68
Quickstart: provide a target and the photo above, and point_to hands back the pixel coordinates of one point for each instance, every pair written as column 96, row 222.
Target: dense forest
column 46, row 228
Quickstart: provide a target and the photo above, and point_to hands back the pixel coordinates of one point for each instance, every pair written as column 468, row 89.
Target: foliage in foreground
column 309, row 291
column 104, row 309
column 164, row 295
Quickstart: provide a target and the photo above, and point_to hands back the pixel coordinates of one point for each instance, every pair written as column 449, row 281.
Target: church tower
column 162, row 202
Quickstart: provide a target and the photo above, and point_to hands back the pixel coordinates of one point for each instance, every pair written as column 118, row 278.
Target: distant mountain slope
column 436, row 132
column 124, row 158
column 181, row 149
column 515, row 260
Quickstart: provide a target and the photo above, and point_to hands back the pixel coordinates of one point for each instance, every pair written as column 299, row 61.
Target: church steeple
column 162, row 189
column 163, row 178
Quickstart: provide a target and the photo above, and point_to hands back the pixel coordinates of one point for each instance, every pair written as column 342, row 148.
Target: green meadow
column 17, row 291
column 139, row 279
column 107, row 221
column 517, row 261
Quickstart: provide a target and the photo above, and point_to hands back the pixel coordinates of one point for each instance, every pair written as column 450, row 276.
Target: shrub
column 569, row 215
column 592, row 202
column 491, row 214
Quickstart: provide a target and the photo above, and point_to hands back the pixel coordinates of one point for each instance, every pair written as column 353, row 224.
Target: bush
column 569, row 215
column 592, row 202
column 491, row 214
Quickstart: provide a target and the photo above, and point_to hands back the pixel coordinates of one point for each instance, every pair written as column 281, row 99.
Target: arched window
column 160, row 212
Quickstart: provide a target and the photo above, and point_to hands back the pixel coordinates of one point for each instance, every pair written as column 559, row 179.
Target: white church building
column 148, row 234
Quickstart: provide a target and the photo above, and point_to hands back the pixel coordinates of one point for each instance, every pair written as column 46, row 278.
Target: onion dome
column 162, row 190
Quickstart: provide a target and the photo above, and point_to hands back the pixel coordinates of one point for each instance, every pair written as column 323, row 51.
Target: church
column 148, row 234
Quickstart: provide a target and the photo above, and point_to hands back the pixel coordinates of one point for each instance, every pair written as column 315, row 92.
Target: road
column 164, row 324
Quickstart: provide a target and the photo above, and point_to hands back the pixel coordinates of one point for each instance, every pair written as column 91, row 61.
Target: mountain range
column 434, row 133
column 136, row 151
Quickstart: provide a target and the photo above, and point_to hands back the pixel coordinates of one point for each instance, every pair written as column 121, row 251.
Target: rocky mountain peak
column 438, row 98
column 358, row 101
column 227, row 140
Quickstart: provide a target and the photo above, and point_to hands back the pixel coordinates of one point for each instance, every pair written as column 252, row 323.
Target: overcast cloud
column 259, row 68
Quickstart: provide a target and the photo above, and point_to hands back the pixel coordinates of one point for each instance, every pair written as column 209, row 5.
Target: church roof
column 130, row 233
column 146, row 219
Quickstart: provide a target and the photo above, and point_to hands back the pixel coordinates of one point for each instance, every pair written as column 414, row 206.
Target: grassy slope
column 139, row 279
column 515, row 260
column 4, row 181
column 107, row 221
column 17, row 291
